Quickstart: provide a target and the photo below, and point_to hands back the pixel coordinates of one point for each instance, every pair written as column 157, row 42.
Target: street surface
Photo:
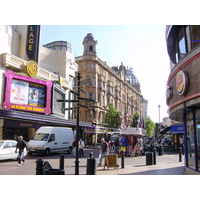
column 168, row 164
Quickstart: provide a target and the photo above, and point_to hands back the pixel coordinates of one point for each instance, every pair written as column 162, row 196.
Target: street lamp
column 159, row 113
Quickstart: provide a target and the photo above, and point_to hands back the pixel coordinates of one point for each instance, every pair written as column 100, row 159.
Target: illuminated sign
column 26, row 93
column 31, row 68
column 181, row 82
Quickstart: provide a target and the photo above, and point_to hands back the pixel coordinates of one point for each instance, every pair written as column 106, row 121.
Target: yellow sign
column 31, row 68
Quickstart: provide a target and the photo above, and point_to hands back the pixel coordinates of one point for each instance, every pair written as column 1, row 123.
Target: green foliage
column 134, row 120
column 112, row 117
column 149, row 126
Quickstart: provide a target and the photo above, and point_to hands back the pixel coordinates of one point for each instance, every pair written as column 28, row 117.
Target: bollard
column 62, row 156
column 154, row 156
column 180, row 154
column 39, row 166
column 91, row 165
column 160, row 150
column 149, row 158
column 122, row 159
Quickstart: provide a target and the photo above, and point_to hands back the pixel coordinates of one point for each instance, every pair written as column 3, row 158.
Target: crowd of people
column 131, row 145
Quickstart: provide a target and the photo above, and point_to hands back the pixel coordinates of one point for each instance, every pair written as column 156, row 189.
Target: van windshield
column 40, row 136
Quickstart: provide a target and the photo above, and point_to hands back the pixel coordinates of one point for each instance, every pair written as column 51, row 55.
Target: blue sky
column 142, row 47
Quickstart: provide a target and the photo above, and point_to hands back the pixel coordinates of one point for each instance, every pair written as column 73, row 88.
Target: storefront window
column 194, row 35
column 190, row 141
column 197, row 113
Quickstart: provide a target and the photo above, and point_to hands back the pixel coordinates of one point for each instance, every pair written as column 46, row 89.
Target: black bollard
column 62, row 156
column 160, row 150
column 122, row 159
column 154, row 156
column 91, row 165
column 149, row 158
column 39, row 166
column 180, row 154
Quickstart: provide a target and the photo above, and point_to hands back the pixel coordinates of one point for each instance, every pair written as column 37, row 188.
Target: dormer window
column 90, row 48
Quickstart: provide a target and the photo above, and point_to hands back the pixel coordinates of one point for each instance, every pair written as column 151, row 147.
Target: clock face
column 91, row 66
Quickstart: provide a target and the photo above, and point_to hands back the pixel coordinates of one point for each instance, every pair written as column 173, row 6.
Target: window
column 13, row 144
column 198, row 141
column 102, row 100
column 90, row 95
column 194, row 35
column 6, row 145
column 182, row 44
column 52, row 137
column 90, row 48
column 182, row 39
column 190, row 141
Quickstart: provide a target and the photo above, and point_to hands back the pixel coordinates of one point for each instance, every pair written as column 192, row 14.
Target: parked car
column 7, row 149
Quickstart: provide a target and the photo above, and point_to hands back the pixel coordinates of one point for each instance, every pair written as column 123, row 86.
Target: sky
column 141, row 47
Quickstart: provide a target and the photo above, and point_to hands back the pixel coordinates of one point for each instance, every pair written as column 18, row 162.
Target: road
column 168, row 164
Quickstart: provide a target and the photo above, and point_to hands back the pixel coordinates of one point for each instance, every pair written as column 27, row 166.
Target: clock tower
column 89, row 44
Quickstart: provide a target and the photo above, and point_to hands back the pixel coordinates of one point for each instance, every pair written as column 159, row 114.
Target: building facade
column 29, row 89
column 115, row 85
column 183, row 88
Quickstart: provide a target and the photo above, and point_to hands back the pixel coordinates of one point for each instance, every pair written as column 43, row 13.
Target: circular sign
column 181, row 82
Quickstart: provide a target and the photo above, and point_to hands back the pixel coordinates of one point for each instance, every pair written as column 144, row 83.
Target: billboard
column 26, row 93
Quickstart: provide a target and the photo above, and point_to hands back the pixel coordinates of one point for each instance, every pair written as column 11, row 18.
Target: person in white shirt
column 81, row 145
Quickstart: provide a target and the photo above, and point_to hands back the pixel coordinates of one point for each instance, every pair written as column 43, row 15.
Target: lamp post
column 77, row 127
column 159, row 118
column 159, row 113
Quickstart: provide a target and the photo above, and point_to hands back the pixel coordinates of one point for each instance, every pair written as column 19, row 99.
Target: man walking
column 21, row 145
column 103, row 150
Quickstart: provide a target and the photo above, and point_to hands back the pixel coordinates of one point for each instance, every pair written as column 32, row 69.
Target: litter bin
column 55, row 172
column 91, row 165
column 160, row 150
column 149, row 158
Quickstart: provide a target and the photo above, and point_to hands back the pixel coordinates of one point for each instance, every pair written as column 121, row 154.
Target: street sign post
column 79, row 83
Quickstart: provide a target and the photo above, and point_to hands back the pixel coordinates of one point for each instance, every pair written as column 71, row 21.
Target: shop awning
column 174, row 129
column 177, row 129
column 165, row 130
column 39, row 118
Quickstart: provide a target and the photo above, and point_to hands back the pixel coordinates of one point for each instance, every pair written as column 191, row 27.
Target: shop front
column 93, row 135
column 183, row 88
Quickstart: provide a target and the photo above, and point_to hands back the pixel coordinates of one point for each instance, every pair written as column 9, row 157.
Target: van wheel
column 47, row 152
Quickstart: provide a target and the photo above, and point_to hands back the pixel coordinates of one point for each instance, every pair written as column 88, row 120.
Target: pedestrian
column 123, row 144
column 21, row 144
column 74, row 146
column 103, row 150
column 81, row 145
column 116, row 144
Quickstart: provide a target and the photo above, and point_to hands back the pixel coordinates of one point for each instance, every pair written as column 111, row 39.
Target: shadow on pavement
column 169, row 171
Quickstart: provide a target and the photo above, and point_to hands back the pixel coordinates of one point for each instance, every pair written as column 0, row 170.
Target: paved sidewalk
column 167, row 164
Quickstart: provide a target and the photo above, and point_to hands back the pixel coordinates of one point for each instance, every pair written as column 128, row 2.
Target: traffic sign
column 86, row 81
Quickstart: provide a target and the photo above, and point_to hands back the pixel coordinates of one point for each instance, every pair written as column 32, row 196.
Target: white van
column 49, row 139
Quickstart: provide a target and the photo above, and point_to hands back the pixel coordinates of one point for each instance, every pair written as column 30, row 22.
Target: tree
column 135, row 120
column 112, row 117
column 149, row 126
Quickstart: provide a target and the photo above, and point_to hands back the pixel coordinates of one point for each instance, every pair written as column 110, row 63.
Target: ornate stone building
column 115, row 85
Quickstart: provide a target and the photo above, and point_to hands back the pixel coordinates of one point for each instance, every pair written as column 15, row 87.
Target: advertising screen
column 28, row 94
